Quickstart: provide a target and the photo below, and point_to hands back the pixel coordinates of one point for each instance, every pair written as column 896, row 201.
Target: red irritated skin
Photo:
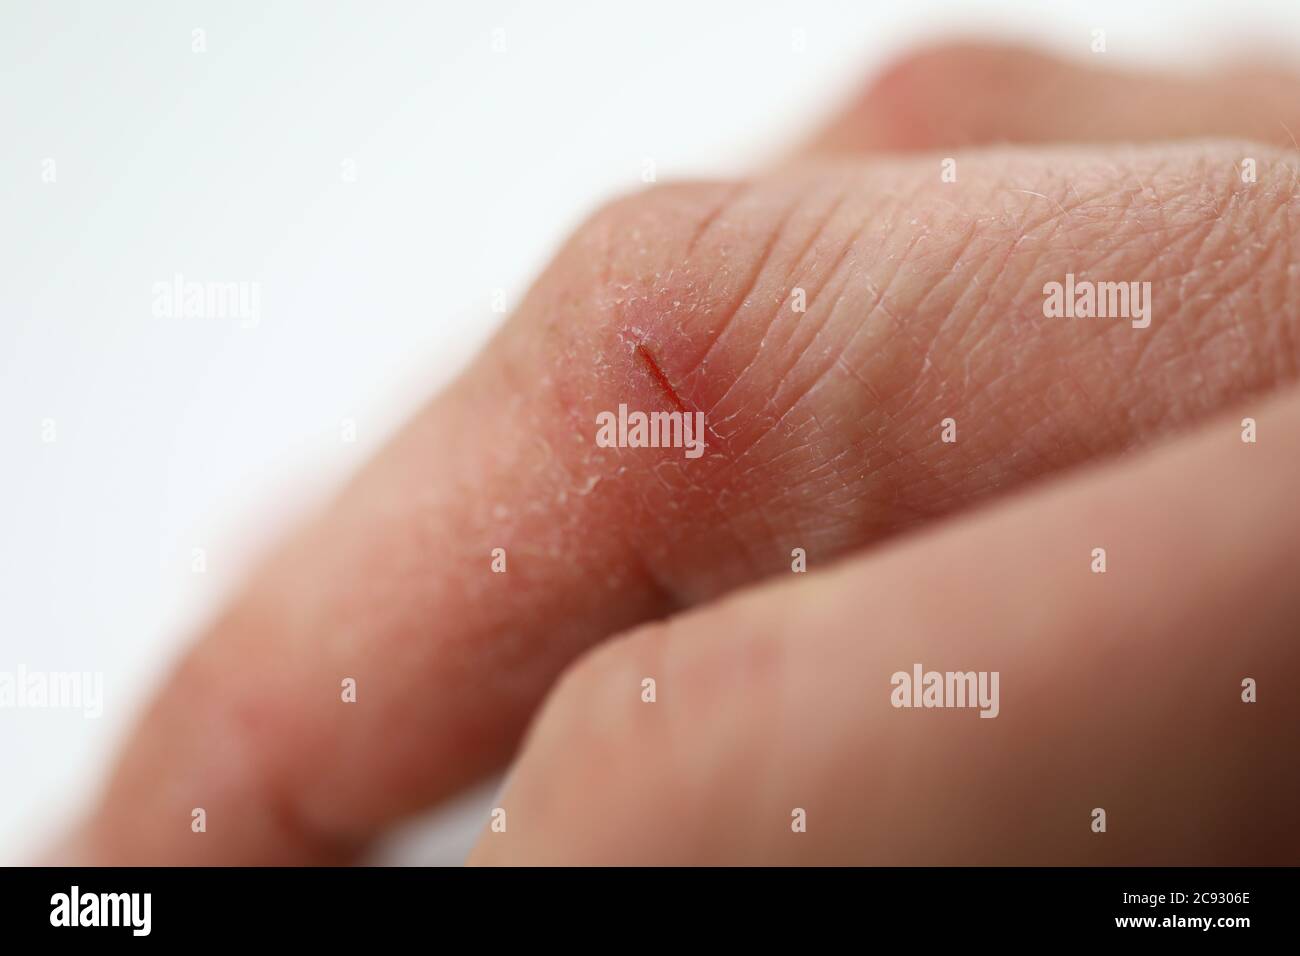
column 923, row 302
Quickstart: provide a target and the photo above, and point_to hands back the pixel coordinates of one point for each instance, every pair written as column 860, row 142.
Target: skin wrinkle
column 815, row 298
column 818, row 231
column 884, row 480
column 1172, row 250
column 805, row 478
column 757, row 354
column 1144, row 347
column 723, row 205
column 920, row 382
column 807, row 390
column 771, row 241
column 973, row 342
column 1203, row 248
column 1065, row 216
column 755, row 506
column 989, row 286
column 730, row 516
column 854, row 238
column 817, row 517
column 816, row 301
column 853, row 373
column 950, row 326
column 801, row 394
column 1001, row 398
column 901, row 327
column 753, row 443
column 833, row 463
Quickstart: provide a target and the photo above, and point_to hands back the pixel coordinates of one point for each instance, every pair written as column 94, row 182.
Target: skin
column 924, row 301
column 1119, row 691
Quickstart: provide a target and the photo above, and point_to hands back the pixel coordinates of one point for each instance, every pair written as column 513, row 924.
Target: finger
column 1120, row 691
column 970, row 95
column 826, row 430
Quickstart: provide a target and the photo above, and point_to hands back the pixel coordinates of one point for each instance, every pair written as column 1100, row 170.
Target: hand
column 923, row 302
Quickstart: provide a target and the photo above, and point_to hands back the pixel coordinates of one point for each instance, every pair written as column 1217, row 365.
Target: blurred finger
column 975, row 95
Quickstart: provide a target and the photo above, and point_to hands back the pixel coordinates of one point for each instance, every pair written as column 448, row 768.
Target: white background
column 175, row 434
